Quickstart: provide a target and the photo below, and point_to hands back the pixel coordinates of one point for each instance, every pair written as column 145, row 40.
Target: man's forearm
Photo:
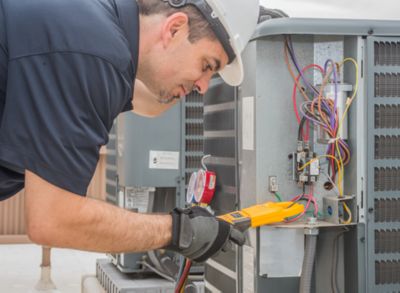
column 61, row 219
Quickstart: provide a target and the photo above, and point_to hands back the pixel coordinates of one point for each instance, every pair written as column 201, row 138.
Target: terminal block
column 305, row 164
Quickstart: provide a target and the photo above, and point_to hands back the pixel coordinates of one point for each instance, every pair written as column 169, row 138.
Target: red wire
column 302, row 213
column 184, row 276
column 310, row 198
column 294, row 92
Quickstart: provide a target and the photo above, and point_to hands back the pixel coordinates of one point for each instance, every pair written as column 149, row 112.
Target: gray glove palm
column 198, row 235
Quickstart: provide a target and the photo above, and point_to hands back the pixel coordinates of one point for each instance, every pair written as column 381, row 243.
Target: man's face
column 179, row 66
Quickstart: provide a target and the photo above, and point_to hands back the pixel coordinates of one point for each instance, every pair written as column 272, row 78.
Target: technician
column 67, row 69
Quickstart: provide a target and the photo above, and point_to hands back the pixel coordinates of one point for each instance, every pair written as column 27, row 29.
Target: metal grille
column 384, row 167
column 220, row 141
column 387, row 147
column 387, row 116
column 193, row 162
column 194, row 145
column 111, row 167
column 105, row 279
column 194, row 129
column 387, row 85
column 194, row 112
column 387, row 241
column 387, row 179
column 193, row 136
column 387, row 53
column 387, row 210
column 387, row 272
column 114, row 281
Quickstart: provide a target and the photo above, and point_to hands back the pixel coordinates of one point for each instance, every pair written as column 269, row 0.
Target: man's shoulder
column 45, row 26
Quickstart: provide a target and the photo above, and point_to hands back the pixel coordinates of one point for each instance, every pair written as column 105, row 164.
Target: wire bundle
column 310, row 199
column 319, row 111
column 183, row 275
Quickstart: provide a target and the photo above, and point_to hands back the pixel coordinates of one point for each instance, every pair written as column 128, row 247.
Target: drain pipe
column 45, row 283
column 311, row 235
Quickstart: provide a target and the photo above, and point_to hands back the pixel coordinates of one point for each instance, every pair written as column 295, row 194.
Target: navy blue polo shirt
column 67, row 69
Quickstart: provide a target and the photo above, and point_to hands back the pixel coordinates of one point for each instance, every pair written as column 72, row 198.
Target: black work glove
column 198, row 235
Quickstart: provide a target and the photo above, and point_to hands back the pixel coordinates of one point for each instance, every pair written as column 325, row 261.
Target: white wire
column 202, row 161
column 336, row 190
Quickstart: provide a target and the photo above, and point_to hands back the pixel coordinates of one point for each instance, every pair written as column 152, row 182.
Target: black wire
column 301, row 126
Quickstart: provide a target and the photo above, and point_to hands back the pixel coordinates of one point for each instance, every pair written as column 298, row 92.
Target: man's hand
column 198, row 235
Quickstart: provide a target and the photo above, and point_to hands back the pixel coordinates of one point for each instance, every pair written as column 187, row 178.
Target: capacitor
column 342, row 93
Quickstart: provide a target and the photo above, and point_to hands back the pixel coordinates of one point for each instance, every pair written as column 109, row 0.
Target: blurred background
column 371, row 9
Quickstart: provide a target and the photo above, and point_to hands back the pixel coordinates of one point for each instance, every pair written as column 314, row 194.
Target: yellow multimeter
column 262, row 214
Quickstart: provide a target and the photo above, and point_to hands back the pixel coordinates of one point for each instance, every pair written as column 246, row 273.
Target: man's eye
column 207, row 67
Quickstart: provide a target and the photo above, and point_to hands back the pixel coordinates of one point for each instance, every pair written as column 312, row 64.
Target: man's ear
column 175, row 26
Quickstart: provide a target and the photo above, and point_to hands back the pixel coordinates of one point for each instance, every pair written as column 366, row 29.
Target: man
column 67, row 69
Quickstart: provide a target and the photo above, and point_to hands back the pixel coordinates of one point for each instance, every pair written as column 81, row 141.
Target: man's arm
column 58, row 218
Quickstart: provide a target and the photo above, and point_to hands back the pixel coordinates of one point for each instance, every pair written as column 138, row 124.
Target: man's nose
column 201, row 85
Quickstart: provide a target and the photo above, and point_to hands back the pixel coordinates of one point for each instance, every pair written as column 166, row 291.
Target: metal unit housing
column 149, row 161
column 256, row 125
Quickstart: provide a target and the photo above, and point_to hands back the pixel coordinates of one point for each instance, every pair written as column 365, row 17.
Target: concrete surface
column 20, row 268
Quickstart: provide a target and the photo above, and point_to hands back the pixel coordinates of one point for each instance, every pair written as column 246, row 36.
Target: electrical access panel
column 314, row 122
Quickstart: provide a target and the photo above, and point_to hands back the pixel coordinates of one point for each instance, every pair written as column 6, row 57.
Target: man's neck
column 149, row 36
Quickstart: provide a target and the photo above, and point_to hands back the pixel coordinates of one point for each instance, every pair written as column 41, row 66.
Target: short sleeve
column 58, row 112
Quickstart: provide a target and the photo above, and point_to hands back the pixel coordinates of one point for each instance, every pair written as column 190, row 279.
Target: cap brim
column 232, row 73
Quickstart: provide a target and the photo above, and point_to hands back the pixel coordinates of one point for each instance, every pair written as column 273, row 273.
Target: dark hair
column 198, row 26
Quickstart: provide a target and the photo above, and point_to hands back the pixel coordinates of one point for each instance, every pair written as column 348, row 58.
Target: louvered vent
column 383, row 127
column 220, row 141
column 194, row 141
column 111, row 167
column 387, row 272
column 387, row 85
column 387, row 179
column 387, row 210
column 194, row 112
column 387, row 241
column 387, row 116
column 194, row 145
column 387, row 53
column 193, row 162
column 194, row 129
column 387, row 147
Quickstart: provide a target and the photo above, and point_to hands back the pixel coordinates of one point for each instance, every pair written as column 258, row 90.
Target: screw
column 362, row 239
column 370, row 32
column 370, row 210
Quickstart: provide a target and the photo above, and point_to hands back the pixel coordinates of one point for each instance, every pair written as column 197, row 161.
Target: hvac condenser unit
column 149, row 162
column 316, row 121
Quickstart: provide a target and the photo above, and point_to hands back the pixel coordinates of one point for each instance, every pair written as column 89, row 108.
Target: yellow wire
column 348, row 103
column 348, row 221
column 337, row 164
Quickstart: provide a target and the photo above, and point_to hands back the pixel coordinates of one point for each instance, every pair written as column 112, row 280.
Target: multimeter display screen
column 236, row 215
